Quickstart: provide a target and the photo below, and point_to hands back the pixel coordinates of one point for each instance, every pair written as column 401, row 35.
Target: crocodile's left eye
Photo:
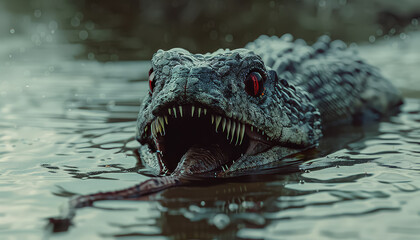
column 151, row 80
column 254, row 84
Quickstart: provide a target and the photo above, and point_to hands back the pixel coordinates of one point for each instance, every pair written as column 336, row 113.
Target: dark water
column 67, row 127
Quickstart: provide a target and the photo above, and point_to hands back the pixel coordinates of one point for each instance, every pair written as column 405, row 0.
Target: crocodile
column 234, row 112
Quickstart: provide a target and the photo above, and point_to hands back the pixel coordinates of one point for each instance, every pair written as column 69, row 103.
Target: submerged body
column 234, row 112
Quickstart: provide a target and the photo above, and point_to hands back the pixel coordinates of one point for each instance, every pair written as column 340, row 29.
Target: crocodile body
column 306, row 88
column 233, row 112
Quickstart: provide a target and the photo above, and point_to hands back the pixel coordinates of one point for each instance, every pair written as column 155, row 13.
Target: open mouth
column 180, row 129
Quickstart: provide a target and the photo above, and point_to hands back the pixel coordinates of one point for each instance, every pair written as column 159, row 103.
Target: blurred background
column 109, row 30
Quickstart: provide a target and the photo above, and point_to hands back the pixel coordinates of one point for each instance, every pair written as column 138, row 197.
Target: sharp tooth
column 252, row 128
column 160, row 120
column 174, row 112
column 192, row 111
column 157, row 126
column 199, row 112
column 205, row 111
column 212, row 119
column 233, row 131
column 180, row 110
column 218, row 118
column 223, row 124
column 169, row 111
column 228, row 128
column 166, row 119
column 162, row 125
column 242, row 133
column 238, row 132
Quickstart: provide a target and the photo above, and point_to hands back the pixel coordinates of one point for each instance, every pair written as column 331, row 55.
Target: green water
column 67, row 123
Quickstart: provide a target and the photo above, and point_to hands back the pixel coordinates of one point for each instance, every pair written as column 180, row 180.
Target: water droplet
column 233, row 207
column 229, row 38
column 403, row 36
column 392, row 31
column 203, row 203
column 353, row 45
column 415, row 21
column 372, row 38
column 221, row 221
column 302, row 181
column 83, row 35
column 12, row 30
column 37, row 13
column 247, row 204
column 90, row 25
column 75, row 22
column 379, row 32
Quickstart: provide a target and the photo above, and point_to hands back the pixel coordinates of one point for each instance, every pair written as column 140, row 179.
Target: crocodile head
column 228, row 100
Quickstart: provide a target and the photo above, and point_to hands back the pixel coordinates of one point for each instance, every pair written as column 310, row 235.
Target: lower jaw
column 210, row 158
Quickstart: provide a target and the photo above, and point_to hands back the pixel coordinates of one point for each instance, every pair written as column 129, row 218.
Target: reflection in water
column 67, row 127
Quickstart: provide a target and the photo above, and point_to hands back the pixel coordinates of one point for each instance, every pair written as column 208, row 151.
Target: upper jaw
column 238, row 132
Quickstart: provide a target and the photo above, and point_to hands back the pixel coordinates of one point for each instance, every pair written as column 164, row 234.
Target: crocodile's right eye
column 151, row 80
column 254, row 84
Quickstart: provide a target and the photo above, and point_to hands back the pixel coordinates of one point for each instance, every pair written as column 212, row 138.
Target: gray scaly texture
column 306, row 88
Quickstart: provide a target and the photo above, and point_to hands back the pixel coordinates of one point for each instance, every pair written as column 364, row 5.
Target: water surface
column 67, row 127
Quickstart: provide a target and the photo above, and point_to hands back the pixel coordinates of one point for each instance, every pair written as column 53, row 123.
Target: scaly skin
column 196, row 97
column 306, row 87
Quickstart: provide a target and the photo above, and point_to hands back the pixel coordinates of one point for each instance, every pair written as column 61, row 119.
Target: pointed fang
column 180, row 110
column 233, row 131
column 192, row 111
column 242, row 133
column 228, row 128
column 223, row 124
column 238, row 132
column 218, row 118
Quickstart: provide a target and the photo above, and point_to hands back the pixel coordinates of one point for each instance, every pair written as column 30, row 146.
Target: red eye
column 151, row 80
column 254, row 84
